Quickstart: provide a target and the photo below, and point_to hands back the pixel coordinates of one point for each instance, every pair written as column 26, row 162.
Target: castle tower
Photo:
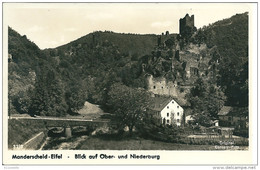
column 186, row 26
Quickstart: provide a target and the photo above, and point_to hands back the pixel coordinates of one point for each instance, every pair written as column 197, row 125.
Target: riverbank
column 62, row 143
column 20, row 131
column 96, row 143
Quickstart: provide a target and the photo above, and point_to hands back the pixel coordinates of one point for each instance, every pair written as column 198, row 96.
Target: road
column 53, row 118
column 70, row 121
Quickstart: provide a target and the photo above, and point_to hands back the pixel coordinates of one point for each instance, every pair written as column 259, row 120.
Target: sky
column 50, row 25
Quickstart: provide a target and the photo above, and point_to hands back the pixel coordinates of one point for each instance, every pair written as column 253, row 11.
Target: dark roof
column 181, row 101
column 159, row 102
column 224, row 110
column 233, row 111
column 159, row 79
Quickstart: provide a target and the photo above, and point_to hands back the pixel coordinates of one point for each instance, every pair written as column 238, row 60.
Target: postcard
column 129, row 83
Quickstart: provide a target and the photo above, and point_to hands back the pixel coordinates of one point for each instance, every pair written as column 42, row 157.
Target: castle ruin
column 186, row 26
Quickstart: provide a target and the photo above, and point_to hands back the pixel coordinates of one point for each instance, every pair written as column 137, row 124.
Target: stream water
column 63, row 143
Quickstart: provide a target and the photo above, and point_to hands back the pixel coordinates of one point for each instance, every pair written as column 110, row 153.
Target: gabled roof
column 159, row 79
column 158, row 103
column 181, row 101
column 224, row 110
column 233, row 111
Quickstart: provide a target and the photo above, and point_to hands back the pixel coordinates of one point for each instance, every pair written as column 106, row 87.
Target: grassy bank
column 95, row 143
column 20, row 131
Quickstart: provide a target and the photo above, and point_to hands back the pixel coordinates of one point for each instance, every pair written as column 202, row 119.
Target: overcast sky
column 52, row 25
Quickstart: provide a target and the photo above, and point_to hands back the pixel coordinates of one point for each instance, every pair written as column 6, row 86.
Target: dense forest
column 57, row 82
column 230, row 37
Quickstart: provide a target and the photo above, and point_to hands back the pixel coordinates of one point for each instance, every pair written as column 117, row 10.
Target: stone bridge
column 66, row 123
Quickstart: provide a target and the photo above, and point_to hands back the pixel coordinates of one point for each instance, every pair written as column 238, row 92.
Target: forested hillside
column 64, row 78
column 230, row 37
column 128, row 44
column 57, row 82
column 25, row 59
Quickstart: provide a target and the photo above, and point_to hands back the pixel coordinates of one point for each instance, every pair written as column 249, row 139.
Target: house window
column 172, row 102
column 168, row 121
column 167, row 107
column 178, row 107
column 178, row 113
column 167, row 114
column 178, row 120
column 154, row 87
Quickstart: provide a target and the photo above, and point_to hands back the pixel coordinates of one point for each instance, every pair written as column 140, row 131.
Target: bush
column 160, row 133
column 241, row 132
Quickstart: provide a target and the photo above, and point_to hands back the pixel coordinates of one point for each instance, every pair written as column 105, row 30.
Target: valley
column 155, row 90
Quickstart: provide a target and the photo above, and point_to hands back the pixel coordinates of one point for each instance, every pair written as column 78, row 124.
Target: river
column 63, row 143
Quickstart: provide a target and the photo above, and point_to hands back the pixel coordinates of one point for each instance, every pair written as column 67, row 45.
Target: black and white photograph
column 126, row 77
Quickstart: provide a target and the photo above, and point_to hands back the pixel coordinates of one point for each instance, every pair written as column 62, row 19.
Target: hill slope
column 24, row 58
column 127, row 44
column 230, row 36
column 65, row 77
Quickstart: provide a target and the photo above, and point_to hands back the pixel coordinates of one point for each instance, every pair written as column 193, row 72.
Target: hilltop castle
column 172, row 70
column 186, row 26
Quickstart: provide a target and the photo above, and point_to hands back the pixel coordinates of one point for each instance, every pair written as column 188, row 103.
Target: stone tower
column 187, row 27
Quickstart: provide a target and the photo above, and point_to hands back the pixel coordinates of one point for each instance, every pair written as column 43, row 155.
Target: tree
column 48, row 97
column 76, row 95
column 200, row 37
column 23, row 101
column 206, row 101
column 170, row 42
column 234, row 80
column 128, row 104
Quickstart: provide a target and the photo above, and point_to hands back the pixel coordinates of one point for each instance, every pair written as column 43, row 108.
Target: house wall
column 170, row 113
column 188, row 118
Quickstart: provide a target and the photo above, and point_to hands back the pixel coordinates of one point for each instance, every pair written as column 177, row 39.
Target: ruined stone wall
column 161, row 86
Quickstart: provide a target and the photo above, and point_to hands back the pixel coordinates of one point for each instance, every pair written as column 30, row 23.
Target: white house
column 189, row 118
column 168, row 111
